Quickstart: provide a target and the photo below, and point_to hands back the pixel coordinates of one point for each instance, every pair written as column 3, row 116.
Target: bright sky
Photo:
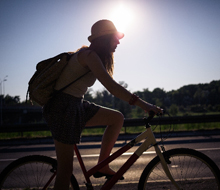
column 167, row 43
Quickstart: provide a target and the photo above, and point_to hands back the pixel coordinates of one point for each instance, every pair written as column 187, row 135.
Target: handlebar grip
column 151, row 115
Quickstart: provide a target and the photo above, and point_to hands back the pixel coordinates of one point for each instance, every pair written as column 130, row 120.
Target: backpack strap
column 70, row 54
column 58, row 91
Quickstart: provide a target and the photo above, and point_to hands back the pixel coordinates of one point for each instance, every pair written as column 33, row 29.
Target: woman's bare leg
column 114, row 121
column 64, row 154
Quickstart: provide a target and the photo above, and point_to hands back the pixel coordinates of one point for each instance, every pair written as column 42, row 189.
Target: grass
column 25, row 135
column 129, row 130
column 179, row 127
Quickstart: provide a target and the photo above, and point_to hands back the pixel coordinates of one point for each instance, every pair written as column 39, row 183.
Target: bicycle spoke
column 31, row 176
column 31, row 173
column 191, row 170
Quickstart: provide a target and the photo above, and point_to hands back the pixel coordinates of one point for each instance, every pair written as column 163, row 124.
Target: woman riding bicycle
column 67, row 113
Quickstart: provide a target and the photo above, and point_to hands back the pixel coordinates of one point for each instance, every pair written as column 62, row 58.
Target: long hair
column 101, row 46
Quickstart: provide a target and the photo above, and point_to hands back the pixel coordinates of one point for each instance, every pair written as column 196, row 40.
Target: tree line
column 199, row 98
column 194, row 98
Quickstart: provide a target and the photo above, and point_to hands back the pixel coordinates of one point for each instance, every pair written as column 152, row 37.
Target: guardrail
column 127, row 123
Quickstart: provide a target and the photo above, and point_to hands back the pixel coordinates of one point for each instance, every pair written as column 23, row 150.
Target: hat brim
column 119, row 35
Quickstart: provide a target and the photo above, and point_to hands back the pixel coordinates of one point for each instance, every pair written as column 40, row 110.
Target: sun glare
column 121, row 16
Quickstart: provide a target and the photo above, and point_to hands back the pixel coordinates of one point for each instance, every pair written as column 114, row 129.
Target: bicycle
column 179, row 168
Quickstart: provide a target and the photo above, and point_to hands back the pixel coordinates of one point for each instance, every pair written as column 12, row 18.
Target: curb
column 98, row 138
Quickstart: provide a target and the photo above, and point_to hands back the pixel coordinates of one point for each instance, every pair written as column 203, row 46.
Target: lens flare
column 122, row 17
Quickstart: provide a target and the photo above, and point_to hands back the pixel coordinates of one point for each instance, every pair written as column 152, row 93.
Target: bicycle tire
column 190, row 169
column 31, row 172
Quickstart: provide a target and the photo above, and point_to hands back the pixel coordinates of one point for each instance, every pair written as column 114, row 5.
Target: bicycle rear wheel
column 31, row 172
column 190, row 169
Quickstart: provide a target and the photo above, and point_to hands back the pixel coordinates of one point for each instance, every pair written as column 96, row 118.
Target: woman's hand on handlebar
column 147, row 107
column 154, row 109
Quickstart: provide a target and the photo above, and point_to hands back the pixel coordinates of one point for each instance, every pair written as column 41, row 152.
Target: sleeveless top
column 72, row 71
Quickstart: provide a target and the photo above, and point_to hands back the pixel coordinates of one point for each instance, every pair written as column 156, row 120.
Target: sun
column 122, row 17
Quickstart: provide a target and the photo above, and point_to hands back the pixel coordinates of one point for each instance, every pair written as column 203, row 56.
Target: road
column 209, row 145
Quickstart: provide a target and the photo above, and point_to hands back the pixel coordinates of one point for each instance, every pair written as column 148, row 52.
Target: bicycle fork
column 165, row 167
column 150, row 140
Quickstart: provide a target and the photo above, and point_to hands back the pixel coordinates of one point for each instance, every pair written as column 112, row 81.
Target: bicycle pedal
column 109, row 177
column 88, row 186
column 167, row 159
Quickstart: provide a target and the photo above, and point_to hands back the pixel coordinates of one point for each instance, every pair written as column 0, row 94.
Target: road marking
column 124, row 154
column 202, row 149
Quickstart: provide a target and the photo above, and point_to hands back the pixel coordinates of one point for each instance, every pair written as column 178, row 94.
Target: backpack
column 42, row 83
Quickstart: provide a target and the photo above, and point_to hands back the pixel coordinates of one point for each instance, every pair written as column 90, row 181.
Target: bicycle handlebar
column 151, row 116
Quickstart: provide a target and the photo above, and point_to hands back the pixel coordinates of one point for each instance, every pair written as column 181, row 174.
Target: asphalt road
column 209, row 145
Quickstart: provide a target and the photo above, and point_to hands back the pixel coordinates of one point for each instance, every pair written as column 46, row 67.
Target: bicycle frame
column 149, row 142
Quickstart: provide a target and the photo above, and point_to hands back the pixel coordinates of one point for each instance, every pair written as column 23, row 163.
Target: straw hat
column 104, row 27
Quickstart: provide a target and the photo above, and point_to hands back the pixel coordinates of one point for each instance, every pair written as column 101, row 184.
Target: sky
column 167, row 43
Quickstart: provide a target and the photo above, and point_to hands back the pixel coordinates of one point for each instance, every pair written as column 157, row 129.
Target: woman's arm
column 94, row 63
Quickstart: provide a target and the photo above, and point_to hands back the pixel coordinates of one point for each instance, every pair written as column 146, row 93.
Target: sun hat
column 102, row 28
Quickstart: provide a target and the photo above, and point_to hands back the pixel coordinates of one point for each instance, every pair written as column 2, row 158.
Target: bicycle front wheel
column 190, row 169
column 32, row 172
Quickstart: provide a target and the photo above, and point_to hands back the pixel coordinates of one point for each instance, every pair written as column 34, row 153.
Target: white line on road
column 124, row 154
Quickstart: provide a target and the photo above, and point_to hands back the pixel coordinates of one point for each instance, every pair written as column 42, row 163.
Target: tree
column 173, row 109
column 9, row 100
column 88, row 96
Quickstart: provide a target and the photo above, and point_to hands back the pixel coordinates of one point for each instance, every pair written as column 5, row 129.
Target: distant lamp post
column 4, row 80
column 2, row 96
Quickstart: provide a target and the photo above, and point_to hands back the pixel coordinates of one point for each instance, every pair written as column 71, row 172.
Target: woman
column 67, row 113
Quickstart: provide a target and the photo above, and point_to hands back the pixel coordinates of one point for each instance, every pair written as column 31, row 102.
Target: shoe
column 107, row 176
